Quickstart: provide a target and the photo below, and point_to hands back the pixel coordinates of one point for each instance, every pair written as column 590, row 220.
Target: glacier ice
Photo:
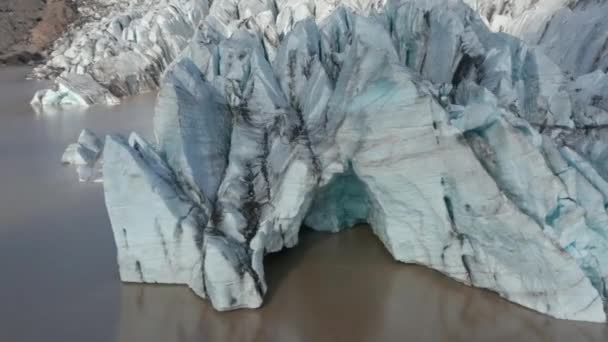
column 72, row 90
column 467, row 151
column 340, row 125
column 122, row 48
column 86, row 155
column 571, row 32
column 118, row 48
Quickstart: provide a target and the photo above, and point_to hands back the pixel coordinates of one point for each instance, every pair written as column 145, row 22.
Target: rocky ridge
column 29, row 27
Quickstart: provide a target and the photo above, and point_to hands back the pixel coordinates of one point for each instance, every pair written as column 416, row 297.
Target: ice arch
column 342, row 203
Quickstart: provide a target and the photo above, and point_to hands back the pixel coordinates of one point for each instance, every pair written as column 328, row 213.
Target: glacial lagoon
column 60, row 280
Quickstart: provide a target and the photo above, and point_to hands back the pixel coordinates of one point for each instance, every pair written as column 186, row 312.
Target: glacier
column 571, row 32
column 117, row 48
column 467, row 151
column 121, row 48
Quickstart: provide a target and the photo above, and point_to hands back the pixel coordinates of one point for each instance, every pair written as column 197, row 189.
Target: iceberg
column 86, row 156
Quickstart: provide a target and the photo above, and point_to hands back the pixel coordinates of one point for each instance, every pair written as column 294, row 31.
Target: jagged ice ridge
column 467, row 151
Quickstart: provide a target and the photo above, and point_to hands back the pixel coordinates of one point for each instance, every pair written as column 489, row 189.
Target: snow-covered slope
column 461, row 147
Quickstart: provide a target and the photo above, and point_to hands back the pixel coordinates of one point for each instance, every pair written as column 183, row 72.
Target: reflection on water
column 59, row 279
column 344, row 287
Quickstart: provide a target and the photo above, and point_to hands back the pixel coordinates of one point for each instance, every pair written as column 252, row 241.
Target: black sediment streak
column 291, row 78
column 163, row 242
column 251, row 208
column 264, row 161
column 467, row 267
column 300, row 132
column 182, row 189
column 242, row 258
column 307, row 67
column 203, row 276
column 179, row 229
column 450, row 209
column 124, row 233
column 139, row 271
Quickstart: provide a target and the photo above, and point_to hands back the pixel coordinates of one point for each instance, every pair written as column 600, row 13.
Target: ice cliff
column 466, row 151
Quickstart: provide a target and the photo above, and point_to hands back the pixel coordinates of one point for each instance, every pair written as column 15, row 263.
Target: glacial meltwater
column 59, row 278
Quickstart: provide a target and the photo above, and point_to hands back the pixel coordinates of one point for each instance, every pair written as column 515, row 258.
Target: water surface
column 59, row 279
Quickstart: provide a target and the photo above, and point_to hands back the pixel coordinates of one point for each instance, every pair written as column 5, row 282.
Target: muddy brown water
column 59, row 280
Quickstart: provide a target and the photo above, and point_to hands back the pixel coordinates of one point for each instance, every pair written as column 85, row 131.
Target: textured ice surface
column 464, row 149
column 119, row 48
column 72, row 90
column 85, row 155
column 571, row 32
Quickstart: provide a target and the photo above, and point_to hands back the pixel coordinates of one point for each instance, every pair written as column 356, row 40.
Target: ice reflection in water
column 344, row 287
